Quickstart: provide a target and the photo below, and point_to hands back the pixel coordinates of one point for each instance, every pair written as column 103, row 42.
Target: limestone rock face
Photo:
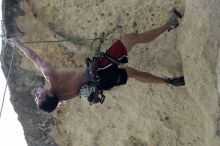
column 135, row 114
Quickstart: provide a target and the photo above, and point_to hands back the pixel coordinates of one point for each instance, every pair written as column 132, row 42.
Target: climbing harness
column 90, row 90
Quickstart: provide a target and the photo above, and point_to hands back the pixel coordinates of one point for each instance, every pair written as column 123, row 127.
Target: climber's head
column 46, row 100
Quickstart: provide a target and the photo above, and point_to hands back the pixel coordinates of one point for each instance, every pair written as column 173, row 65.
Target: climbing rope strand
column 52, row 41
column 32, row 42
column 48, row 41
column 12, row 58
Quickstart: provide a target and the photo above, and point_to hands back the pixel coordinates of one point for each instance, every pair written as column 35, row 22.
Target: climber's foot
column 174, row 20
column 179, row 81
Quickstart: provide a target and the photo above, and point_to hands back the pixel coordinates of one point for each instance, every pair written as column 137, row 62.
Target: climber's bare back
column 65, row 83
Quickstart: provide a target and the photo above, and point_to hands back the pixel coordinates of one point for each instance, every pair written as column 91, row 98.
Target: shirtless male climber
column 65, row 84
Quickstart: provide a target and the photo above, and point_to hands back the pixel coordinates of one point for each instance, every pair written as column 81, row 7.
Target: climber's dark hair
column 49, row 104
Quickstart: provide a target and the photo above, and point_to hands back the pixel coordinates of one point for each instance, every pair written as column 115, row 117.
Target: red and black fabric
column 117, row 51
column 109, row 72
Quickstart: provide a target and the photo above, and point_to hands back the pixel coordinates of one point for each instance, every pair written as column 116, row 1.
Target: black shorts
column 109, row 72
column 112, row 76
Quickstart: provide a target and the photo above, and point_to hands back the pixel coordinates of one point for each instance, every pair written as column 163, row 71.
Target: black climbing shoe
column 179, row 81
column 174, row 20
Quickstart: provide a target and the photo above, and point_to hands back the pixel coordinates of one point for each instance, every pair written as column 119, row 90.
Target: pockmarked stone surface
column 135, row 114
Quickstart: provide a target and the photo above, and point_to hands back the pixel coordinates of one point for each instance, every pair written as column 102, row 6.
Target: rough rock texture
column 136, row 114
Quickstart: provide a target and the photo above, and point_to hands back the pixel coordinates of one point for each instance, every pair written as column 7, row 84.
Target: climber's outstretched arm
column 45, row 67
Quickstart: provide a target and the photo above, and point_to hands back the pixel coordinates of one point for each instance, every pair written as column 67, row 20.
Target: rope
column 54, row 41
column 12, row 58
column 97, row 50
